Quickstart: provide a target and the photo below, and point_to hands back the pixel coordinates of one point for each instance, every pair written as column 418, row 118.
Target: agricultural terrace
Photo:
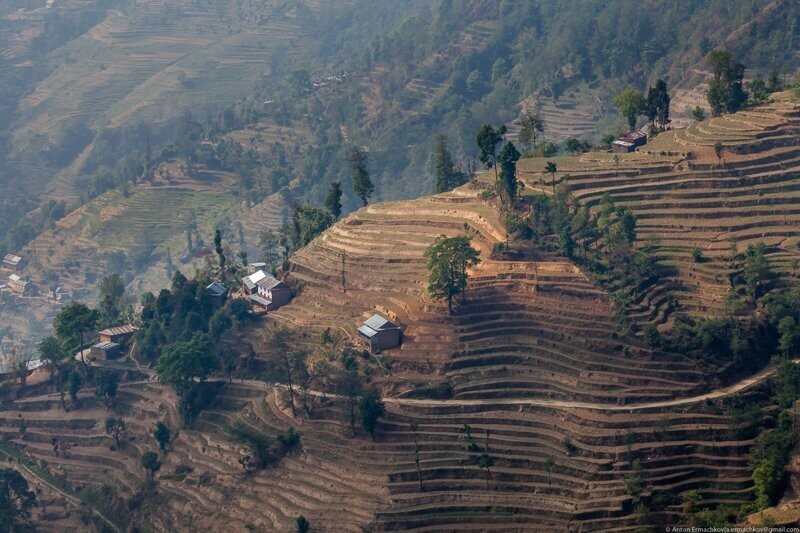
column 685, row 197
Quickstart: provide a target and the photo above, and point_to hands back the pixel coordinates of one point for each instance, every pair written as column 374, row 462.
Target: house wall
column 280, row 297
column 387, row 339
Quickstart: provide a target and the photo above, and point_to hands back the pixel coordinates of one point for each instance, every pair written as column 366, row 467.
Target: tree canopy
column 448, row 261
column 16, row 501
column 631, row 104
column 362, row 183
column 725, row 91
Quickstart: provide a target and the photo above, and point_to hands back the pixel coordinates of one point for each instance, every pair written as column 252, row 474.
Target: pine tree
column 333, row 202
column 362, row 184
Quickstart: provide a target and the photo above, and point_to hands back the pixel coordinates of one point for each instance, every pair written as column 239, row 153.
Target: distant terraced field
column 684, row 198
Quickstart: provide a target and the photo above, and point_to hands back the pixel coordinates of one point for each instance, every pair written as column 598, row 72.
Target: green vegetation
column 150, row 462
column 372, row 409
column 448, row 261
column 16, row 501
column 725, row 91
column 631, row 103
column 362, row 184
column 162, row 434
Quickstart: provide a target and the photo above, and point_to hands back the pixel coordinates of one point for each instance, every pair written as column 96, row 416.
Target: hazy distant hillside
column 90, row 86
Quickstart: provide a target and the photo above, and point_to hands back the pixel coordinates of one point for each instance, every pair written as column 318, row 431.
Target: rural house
column 118, row 334
column 629, row 142
column 267, row 291
column 104, row 350
column 14, row 262
column 19, row 286
column 380, row 334
column 217, row 291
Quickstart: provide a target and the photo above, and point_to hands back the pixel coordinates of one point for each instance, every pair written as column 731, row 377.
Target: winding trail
column 730, row 390
column 735, row 388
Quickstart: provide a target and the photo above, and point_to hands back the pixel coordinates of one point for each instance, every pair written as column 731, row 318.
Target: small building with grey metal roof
column 380, row 334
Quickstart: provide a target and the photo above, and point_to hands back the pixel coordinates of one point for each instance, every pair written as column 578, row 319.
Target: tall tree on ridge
column 488, row 139
column 333, row 202
column 657, row 103
column 362, row 184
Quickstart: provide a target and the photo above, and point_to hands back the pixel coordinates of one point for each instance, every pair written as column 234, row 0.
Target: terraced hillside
column 553, row 412
column 558, row 418
column 74, row 254
column 685, row 197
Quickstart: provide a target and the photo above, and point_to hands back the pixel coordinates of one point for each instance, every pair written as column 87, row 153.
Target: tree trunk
column 449, row 304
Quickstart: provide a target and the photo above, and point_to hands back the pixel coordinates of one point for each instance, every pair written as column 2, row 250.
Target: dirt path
column 730, row 390
column 735, row 388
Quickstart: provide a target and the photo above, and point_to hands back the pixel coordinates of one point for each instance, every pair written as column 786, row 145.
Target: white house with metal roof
column 266, row 290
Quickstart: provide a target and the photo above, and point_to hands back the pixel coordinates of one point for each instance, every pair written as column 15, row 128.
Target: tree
column 106, row 384
column 444, row 173
column 698, row 114
column 372, row 408
column 162, row 435
column 631, row 104
column 150, row 462
column 725, row 91
column 16, row 501
column 74, row 384
column 552, row 168
column 448, row 261
column 219, row 250
column 755, row 269
column 657, row 104
column 333, row 202
column 302, row 525
column 73, row 321
column 183, row 362
column 488, row 139
column 285, row 363
column 532, row 124
column 51, row 353
column 111, row 294
column 269, row 242
column 362, row 184
column 507, row 159
column 115, row 427
column 718, row 149
column 348, row 385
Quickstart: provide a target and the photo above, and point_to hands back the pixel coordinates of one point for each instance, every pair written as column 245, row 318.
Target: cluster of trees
column 16, row 501
column 725, row 91
column 183, row 329
column 337, row 370
column 632, row 103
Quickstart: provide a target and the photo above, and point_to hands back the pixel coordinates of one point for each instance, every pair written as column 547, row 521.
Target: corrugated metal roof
column 377, row 322
column 106, row 345
column 120, row 330
column 11, row 258
column 367, row 331
column 269, row 282
column 261, row 300
column 216, row 289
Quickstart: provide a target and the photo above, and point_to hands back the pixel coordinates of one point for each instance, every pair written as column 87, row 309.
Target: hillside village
column 592, row 324
column 531, row 400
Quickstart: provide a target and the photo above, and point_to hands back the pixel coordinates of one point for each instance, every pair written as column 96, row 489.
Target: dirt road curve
column 737, row 387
